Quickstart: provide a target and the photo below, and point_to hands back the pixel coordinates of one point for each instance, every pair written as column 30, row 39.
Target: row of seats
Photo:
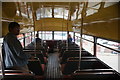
column 39, row 59
column 91, row 68
column 36, row 65
column 95, row 75
column 88, row 67
column 88, row 63
column 18, row 75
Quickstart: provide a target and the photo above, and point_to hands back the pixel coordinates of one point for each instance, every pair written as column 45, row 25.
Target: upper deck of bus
column 92, row 25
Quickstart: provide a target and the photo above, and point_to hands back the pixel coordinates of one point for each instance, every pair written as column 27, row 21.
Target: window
column 66, row 14
column 60, row 12
column 88, row 37
column 60, row 35
column 22, row 42
column 20, row 36
column 88, row 46
column 71, row 33
column 44, row 12
column 33, row 36
column 91, row 11
column 73, row 17
column 107, row 43
column 21, row 39
column 107, row 4
column 45, row 35
column 77, row 38
column 106, row 55
column 27, row 38
column 110, row 57
column 1, row 41
column 92, row 8
column 23, row 8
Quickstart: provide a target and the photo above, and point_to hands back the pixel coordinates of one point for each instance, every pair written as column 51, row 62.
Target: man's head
column 14, row 28
column 37, row 35
column 69, row 35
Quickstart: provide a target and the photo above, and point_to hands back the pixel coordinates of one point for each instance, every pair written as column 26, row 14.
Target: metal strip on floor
column 53, row 67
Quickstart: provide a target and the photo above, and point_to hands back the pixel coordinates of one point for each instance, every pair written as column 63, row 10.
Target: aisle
column 53, row 67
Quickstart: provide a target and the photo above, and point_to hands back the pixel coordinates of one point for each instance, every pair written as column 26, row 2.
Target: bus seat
column 72, row 65
column 73, row 53
column 95, row 75
column 36, row 67
column 18, row 76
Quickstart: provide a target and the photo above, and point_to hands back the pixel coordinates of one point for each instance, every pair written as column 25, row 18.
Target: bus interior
column 93, row 53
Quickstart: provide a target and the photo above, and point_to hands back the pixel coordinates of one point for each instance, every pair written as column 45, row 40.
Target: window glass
column 45, row 35
column 44, row 12
column 111, row 44
column 20, row 36
column 1, row 40
column 60, row 35
column 66, row 14
column 91, row 11
column 27, row 38
column 88, row 46
column 58, row 12
column 21, row 39
column 33, row 36
column 71, row 33
column 88, row 37
column 73, row 17
column 47, row 12
column 108, row 56
column 107, row 4
column 23, row 9
column 77, row 38
column 22, row 42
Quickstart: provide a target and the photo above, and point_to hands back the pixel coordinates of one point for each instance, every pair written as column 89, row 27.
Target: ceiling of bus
column 48, row 23
column 63, row 16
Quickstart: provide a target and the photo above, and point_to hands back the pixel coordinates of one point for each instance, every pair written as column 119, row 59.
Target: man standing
column 14, row 57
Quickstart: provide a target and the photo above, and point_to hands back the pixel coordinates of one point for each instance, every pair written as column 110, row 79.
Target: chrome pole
column 2, row 63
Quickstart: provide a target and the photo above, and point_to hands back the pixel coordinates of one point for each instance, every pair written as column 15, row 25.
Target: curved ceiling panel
column 109, row 30
column 8, row 9
column 53, row 24
column 104, row 14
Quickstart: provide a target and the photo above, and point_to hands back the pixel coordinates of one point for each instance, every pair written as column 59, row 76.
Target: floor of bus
column 53, row 66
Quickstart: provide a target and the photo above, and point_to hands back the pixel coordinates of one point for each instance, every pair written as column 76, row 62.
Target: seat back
column 72, row 65
column 35, row 67
column 95, row 75
column 18, row 76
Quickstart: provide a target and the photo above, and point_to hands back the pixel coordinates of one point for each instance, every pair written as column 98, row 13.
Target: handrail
column 95, row 70
column 16, row 71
